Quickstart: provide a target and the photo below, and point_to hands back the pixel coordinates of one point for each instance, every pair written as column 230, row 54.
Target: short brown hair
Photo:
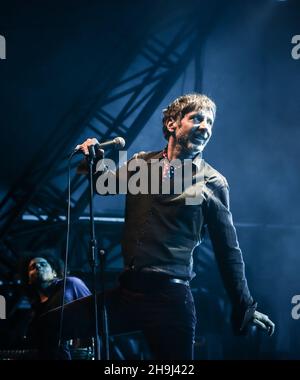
column 183, row 105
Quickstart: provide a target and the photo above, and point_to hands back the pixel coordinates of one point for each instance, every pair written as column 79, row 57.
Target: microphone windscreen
column 120, row 141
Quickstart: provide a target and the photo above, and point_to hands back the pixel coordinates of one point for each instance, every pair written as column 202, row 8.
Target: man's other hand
column 263, row 322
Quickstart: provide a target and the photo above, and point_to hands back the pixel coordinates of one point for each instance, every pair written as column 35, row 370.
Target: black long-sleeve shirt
column 161, row 232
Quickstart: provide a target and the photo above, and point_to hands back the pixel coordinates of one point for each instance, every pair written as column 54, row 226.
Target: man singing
column 161, row 232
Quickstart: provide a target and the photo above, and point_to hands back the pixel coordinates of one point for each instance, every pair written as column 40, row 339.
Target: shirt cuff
column 240, row 321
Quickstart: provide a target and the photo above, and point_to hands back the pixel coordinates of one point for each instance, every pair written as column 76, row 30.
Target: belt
column 179, row 281
column 148, row 280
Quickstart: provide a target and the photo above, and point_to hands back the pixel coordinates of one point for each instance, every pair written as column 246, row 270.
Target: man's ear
column 171, row 125
column 54, row 273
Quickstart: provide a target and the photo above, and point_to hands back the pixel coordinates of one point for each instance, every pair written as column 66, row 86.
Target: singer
column 160, row 234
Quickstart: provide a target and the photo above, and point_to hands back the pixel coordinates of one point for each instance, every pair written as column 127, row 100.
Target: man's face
column 194, row 130
column 40, row 271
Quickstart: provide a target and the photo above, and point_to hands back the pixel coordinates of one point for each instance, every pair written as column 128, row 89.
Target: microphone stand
column 93, row 256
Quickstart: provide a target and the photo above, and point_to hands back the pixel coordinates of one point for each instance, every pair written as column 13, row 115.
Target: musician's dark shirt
column 161, row 232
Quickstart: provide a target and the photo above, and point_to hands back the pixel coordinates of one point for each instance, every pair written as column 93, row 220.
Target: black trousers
column 146, row 302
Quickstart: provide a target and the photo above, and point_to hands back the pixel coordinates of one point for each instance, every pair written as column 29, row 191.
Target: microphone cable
column 66, row 250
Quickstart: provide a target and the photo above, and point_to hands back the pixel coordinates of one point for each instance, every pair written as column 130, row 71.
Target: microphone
column 116, row 141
